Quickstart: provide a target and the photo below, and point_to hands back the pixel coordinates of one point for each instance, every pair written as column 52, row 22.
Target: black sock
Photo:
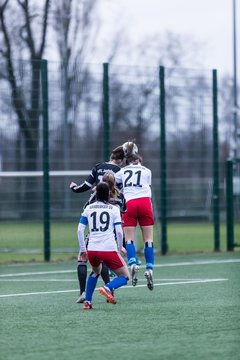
column 124, row 242
column 105, row 274
column 82, row 276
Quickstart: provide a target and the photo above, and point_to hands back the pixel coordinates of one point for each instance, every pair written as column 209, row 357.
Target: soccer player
column 136, row 182
column 96, row 175
column 116, row 196
column 113, row 165
column 103, row 219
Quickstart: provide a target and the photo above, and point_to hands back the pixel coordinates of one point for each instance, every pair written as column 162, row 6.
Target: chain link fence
column 92, row 108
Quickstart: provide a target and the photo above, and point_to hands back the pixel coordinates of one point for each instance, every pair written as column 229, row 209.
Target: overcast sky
column 208, row 21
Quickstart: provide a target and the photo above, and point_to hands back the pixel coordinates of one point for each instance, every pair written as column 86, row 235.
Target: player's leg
column 118, row 265
column 146, row 221
column 82, row 278
column 138, row 261
column 82, row 275
column 129, row 232
column 92, row 279
column 105, row 273
column 129, row 226
column 147, row 232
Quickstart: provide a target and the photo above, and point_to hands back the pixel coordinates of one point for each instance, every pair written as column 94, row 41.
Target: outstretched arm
column 88, row 183
column 80, row 188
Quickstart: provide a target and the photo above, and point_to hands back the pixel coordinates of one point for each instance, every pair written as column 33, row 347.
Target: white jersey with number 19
column 101, row 219
column 136, row 181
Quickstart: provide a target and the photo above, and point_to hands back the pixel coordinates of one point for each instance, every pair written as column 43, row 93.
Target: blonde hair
column 109, row 178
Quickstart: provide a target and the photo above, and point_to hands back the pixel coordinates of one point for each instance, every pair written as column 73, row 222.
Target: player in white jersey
column 102, row 219
column 96, row 175
column 136, row 185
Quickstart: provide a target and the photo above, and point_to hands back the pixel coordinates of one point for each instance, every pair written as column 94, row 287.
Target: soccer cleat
column 81, row 298
column 87, row 305
column 134, row 274
column 112, row 295
column 148, row 275
column 108, row 294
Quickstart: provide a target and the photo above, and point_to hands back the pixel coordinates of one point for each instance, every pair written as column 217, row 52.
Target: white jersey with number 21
column 136, row 181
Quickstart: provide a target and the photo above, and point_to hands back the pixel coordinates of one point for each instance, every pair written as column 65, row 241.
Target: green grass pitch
column 23, row 241
column 192, row 313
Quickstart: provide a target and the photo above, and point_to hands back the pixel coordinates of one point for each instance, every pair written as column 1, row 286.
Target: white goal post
column 40, row 173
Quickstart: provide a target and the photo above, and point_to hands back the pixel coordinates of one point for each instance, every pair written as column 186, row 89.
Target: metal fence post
column 163, row 167
column 45, row 156
column 216, row 221
column 229, row 205
column 106, row 123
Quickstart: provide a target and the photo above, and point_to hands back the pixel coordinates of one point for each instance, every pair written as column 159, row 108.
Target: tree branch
column 44, row 29
column 3, row 6
column 28, row 39
column 17, row 100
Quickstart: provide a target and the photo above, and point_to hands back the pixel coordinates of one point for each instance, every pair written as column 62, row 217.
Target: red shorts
column 138, row 211
column 112, row 259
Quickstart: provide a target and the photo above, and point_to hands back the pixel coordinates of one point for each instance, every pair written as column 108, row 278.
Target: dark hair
column 102, row 192
column 117, row 153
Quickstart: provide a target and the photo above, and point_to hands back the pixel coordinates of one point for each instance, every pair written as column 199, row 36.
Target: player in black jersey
column 116, row 196
column 113, row 166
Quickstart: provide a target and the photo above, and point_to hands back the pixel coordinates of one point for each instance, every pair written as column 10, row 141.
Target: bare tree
column 22, row 43
column 20, row 38
column 76, row 28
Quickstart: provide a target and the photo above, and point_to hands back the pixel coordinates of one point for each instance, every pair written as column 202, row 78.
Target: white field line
column 124, row 287
column 74, row 280
column 37, row 280
column 38, row 273
column 201, row 262
column 190, row 263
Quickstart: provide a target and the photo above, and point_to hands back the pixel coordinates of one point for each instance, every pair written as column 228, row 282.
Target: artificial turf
column 192, row 313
